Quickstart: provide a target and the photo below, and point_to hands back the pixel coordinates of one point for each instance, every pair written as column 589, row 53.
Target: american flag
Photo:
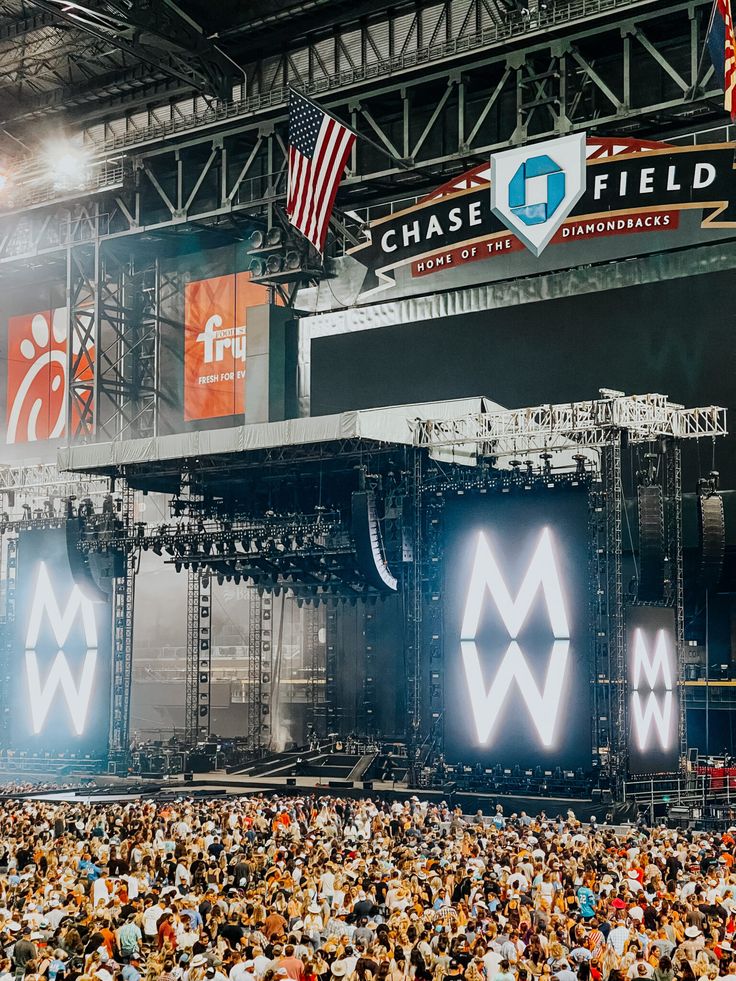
column 722, row 47
column 319, row 147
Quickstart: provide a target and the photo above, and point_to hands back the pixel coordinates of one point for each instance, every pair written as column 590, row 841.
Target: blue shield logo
column 534, row 188
column 542, row 166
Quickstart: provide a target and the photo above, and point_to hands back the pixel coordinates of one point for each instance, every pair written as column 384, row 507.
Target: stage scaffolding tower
column 612, row 624
column 412, row 601
column 260, row 670
column 198, row 682
column 674, row 545
column 122, row 649
column 9, row 557
column 114, row 310
column 313, row 623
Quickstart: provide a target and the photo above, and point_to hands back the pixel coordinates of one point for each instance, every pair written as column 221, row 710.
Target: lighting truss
column 308, row 556
column 46, row 478
column 571, row 425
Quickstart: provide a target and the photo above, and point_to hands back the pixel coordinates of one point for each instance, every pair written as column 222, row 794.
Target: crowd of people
column 316, row 889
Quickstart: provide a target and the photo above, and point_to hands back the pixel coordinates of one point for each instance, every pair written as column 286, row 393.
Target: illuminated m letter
column 42, row 693
column 44, row 601
column 651, row 666
column 487, row 702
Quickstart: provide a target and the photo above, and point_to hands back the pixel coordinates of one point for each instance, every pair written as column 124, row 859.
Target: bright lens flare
column 68, row 164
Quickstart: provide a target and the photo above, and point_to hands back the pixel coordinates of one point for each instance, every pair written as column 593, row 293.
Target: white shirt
column 239, row 972
column 150, row 919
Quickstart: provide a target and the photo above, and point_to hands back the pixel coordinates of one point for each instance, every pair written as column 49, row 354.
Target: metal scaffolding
column 114, row 326
column 673, row 549
column 122, row 649
column 612, row 624
column 313, row 622
column 7, row 629
column 571, row 425
column 198, row 679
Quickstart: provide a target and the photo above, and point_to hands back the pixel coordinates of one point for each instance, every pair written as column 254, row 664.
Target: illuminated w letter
column 643, row 719
column 42, row 693
column 487, row 702
column 60, row 677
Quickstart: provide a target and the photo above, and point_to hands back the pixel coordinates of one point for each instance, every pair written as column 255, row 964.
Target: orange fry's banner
column 215, row 344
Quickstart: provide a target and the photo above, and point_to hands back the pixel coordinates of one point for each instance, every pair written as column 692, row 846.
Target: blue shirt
column 586, row 901
column 90, row 868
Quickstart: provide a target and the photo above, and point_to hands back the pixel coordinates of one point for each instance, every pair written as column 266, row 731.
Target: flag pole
column 696, row 80
column 359, row 136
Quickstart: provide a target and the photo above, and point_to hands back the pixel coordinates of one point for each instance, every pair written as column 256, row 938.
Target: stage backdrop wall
column 62, row 653
column 673, row 337
column 516, row 645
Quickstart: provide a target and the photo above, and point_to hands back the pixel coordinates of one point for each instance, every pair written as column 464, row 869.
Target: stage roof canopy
column 317, row 437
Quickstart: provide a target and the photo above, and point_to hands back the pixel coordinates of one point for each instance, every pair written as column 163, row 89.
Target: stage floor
column 226, row 784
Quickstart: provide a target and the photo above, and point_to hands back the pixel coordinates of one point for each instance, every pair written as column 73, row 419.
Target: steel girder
column 114, row 315
column 156, row 32
column 639, row 75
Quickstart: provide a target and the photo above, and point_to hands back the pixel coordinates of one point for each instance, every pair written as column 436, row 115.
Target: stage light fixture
column 68, row 164
column 257, row 268
column 274, row 264
column 274, row 237
column 257, row 239
column 292, row 261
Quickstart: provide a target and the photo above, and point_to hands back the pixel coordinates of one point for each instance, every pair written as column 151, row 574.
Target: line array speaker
column 93, row 572
column 650, row 588
column 712, row 534
column 368, row 545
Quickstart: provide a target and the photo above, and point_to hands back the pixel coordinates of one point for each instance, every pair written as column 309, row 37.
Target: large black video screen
column 516, row 645
column 61, row 680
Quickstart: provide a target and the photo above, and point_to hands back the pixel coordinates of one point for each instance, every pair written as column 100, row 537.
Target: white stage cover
column 388, row 425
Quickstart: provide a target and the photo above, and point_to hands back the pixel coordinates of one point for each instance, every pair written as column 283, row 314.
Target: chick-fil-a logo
column 37, row 376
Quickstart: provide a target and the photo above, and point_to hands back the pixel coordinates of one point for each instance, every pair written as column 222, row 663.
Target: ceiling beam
column 160, row 35
column 11, row 30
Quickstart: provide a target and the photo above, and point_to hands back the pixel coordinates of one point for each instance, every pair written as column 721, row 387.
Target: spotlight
column 68, row 164
column 257, row 268
column 292, row 261
column 274, row 264
column 257, row 239
column 273, row 237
